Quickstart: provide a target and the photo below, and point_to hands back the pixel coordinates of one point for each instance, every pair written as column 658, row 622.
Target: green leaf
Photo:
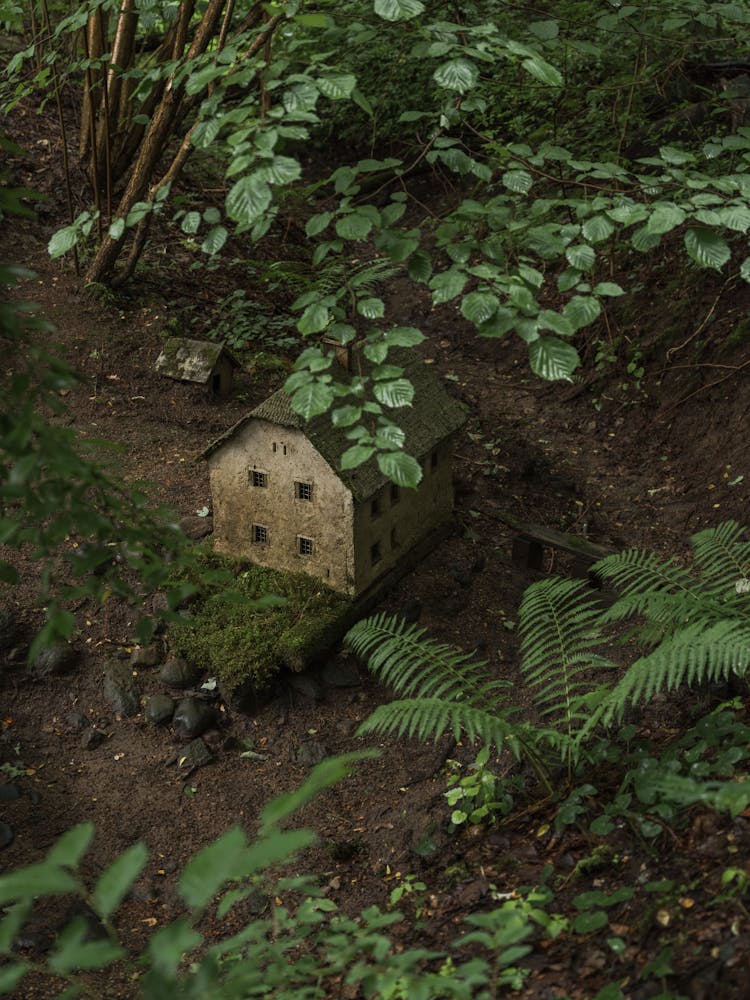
column 11, row 976
column 312, row 399
column 115, row 882
column 545, row 30
column 745, row 269
column 318, row 223
column 323, row 775
column 356, row 456
column 345, row 416
column 587, row 923
column 665, row 217
column 281, row 170
column 403, row 336
column 478, row 307
column 643, row 240
column 457, row 74
column 597, row 228
column 212, row 868
column 447, row 286
column 735, row 217
column 117, row 228
column 399, row 392
column 543, row 71
column 400, row 468
column 190, row 222
column 248, row 199
column 581, row 256
column 75, row 952
column 337, row 86
column 371, row 308
column 62, row 241
column 550, row 320
column 553, row 359
column 608, row 288
column 519, row 181
column 215, row 240
column 568, row 279
column 71, row 847
column 582, row 310
column 41, row 879
column 398, row 10
column 353, row 226
column 707, row 248
column 211, row 216
column 169, row 945
column 314, row 319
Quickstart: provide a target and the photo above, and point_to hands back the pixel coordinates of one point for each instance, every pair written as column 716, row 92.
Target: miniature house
column 198, row 361
column 280, row 498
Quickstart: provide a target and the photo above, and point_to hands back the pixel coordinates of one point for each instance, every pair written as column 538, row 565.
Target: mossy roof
column 191, row 360
column 433, row 417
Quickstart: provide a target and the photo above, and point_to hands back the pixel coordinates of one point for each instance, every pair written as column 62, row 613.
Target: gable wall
column 397, row 526
column 284, row 455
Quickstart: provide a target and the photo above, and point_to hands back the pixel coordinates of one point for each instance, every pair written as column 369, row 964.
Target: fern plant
column 695, row 624
column 444, row 690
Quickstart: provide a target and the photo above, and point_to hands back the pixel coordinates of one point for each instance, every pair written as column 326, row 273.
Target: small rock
column 195, row 754
column 178, row 673
column 346, row 727
column 8, row 793
column 148, row 656
column 196, row 527
column 159, row 709
column 192, row 717
column 305, row 686
column 54, row 660
column 92, row 739
column 340, row 674
column 121, row 689
column 6, row 836
column 310, row 752
column 77, row 721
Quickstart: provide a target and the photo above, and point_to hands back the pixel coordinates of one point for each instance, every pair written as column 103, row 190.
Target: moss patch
column 244, row 633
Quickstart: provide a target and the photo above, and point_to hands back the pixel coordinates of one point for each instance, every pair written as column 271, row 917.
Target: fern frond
column 639, row 574
column 431, row 718
column 723, row 556
column 559, row 635
column 694, row 654
column 402, row 657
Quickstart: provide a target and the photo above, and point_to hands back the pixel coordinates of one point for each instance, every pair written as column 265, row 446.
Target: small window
column 374, row 508
column 434, row 460
column 395, row 493
column 303, row 491
column 274, row 446
column 258, row 478
column 284, row 447
column 260, row 534
column 375, row 555
column 305, row 546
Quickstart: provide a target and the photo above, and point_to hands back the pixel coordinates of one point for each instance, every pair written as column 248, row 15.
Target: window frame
column 260, row 534
column 305, row 546
column 300, row 488
column 258, row 479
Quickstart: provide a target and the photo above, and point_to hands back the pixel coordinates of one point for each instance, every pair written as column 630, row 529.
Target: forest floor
column 627, row 461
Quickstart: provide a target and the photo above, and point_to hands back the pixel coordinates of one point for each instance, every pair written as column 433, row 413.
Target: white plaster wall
column 285, row 455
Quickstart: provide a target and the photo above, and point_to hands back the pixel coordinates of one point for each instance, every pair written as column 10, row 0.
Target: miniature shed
column 199, row 361
column 280, row 498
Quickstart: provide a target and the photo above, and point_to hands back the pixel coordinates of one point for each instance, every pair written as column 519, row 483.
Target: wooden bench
column 532, row 539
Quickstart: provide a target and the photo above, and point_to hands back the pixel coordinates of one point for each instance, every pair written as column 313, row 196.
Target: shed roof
column 191, row 360
column 434, row 416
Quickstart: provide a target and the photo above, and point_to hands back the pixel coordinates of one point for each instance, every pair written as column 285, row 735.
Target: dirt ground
column 625, row 464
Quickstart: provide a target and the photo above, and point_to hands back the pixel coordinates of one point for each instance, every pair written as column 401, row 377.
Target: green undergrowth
column 268, row 620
